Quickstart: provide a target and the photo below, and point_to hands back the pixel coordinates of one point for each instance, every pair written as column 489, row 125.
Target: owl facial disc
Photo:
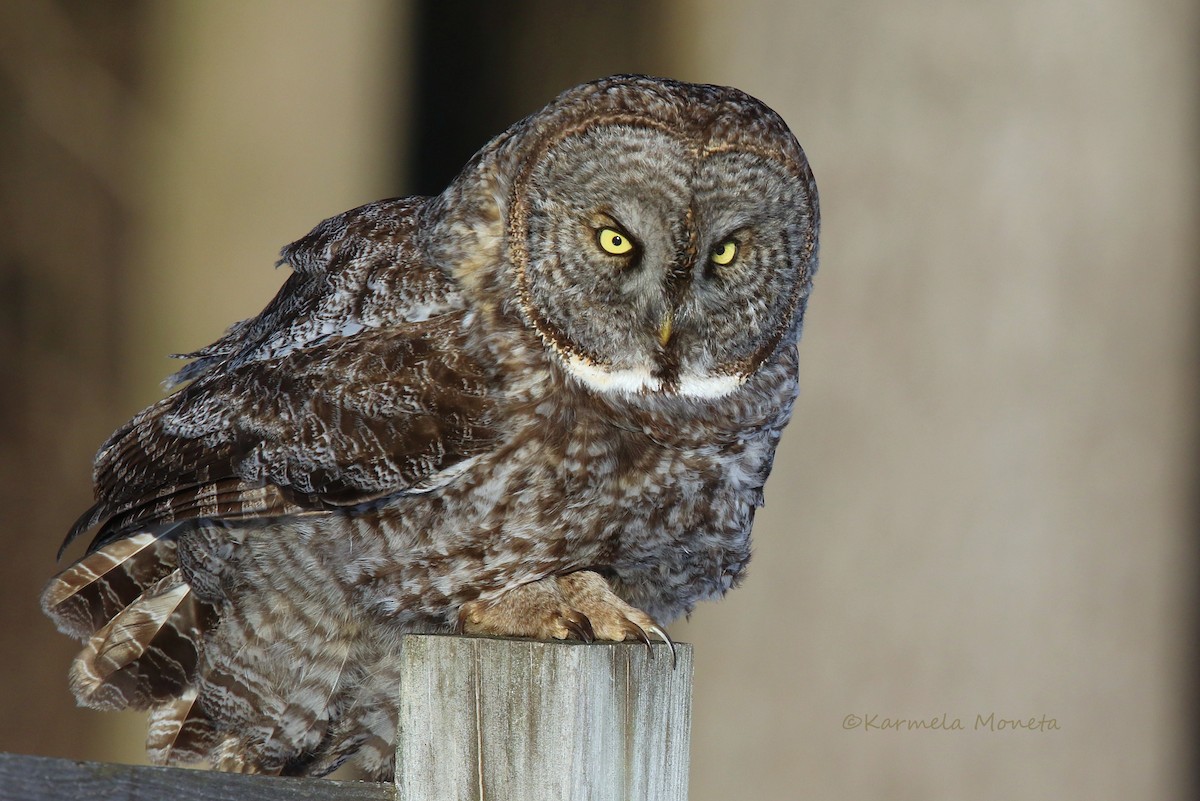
column 657, row 261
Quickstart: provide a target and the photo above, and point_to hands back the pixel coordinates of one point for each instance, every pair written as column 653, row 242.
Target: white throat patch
column 637, row 380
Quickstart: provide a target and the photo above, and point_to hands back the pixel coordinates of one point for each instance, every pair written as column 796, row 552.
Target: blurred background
column 986, row 501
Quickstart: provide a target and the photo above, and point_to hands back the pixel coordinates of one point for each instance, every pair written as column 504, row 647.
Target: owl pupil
column 616, row 241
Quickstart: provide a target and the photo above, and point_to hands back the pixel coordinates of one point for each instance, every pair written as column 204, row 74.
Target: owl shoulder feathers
column 354, row 383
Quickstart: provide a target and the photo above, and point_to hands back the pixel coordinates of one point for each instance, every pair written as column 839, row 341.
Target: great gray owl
column 543, row 403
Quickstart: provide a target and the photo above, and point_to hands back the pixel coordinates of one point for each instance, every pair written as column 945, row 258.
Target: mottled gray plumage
column 543, row 403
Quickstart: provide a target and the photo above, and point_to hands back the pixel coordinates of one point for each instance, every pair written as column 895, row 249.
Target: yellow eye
column 615, row 242
column 724, row 253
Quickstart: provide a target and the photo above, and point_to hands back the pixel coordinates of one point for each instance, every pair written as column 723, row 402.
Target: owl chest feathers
column 659, row 497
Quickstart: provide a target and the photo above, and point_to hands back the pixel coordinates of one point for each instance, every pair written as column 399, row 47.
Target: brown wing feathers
column 283, row 417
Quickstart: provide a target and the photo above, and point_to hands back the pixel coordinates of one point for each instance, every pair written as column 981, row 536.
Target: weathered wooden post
column 488, row 718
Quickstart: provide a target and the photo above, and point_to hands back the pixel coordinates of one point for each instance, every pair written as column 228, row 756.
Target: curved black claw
column 632, row 627
column 579, row 626
column 657, row 630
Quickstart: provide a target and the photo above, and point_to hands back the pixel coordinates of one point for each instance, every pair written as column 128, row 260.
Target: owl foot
column 578, row 606
column 611, row 618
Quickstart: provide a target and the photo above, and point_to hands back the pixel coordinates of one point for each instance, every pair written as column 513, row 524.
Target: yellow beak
column 664, row 331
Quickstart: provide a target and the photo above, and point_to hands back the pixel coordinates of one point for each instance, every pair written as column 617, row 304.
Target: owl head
column 660, row 237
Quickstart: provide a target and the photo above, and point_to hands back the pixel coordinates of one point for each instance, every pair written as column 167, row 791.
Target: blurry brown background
column 985, row 503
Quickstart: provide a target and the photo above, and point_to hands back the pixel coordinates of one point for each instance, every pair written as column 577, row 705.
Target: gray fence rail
column 33, row 778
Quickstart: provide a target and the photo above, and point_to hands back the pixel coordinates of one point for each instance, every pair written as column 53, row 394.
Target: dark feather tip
column 86, row 520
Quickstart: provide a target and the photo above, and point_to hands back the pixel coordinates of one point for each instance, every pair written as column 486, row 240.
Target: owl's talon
column 579, row 626
column 633, row 628
column 657, row 629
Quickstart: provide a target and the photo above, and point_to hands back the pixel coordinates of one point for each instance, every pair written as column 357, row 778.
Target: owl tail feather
column 147, row 653
column 140, row 623
column 179, row 731
column 86, row 596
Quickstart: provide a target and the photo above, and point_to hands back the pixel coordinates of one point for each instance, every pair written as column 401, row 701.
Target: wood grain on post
column 512, row 719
